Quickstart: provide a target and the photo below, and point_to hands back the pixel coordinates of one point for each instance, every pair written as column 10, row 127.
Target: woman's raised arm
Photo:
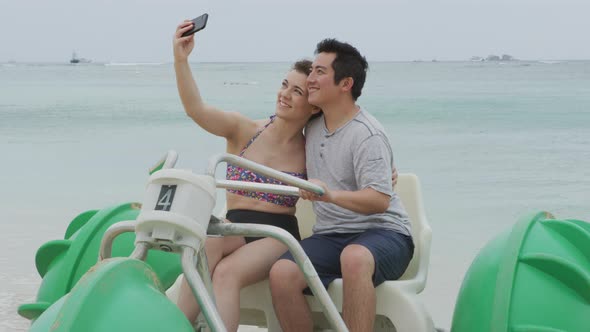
column 212, row 119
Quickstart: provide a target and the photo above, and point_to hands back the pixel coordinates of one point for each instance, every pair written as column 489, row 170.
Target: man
column 362, row 234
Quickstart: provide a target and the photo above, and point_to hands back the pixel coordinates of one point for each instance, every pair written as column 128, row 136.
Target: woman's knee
column 225, row 275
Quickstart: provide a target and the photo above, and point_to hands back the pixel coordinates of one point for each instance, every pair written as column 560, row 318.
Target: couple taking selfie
column 318, row 133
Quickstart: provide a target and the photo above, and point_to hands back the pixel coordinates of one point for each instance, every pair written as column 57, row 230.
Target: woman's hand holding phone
column 199, row 24
column 184, row 40
column 183, row 46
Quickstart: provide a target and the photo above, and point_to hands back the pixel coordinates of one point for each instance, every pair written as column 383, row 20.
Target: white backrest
column 408, row 189
column 305, row 218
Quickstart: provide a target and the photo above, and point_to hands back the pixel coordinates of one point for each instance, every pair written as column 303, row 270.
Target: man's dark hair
column 348, row 63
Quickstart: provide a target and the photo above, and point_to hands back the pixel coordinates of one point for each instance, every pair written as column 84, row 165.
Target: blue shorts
column 391, row 250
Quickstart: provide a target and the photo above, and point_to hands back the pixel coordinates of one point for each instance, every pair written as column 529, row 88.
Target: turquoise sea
column 489, row 141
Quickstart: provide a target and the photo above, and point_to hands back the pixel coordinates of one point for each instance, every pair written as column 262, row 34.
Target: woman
column 278, row 142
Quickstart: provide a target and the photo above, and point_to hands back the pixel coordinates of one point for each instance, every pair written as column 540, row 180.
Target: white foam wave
column 550, row 62
column 134, row 64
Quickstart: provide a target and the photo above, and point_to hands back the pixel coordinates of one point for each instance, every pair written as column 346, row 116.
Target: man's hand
column 326, row 197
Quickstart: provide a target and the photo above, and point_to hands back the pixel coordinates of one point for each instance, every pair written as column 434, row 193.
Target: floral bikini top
column 238, row 173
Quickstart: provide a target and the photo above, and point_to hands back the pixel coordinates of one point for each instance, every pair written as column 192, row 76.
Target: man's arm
column 365, row 201
column 373, row 174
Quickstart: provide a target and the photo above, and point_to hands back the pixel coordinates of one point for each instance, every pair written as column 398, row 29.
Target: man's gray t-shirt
column 356, row 156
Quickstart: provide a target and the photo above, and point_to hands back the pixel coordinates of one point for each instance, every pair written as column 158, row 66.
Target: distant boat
column 75, row 59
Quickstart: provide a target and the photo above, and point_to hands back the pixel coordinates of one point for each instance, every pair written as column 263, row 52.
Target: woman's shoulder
column 245, row 130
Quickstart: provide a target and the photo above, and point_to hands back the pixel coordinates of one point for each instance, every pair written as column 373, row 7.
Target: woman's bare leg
column 245, row 266
column 215, row 248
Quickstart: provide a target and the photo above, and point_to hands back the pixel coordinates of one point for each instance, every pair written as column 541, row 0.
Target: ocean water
column 490, row 142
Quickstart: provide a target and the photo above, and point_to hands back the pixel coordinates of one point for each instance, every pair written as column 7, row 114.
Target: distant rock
column 493, row 57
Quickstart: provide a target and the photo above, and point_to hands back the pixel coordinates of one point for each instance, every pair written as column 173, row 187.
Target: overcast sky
column 265, row 30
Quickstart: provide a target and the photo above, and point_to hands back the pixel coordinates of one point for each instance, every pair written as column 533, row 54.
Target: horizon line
column 275, row 61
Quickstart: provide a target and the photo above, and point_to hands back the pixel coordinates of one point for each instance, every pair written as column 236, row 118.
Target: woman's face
column 292, row 97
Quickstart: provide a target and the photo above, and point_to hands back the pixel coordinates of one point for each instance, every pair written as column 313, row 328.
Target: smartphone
column 199, row 24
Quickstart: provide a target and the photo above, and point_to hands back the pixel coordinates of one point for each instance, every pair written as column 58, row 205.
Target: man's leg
column 287, row 281
column 370, row 259
column 358, row 307
column 287, row 284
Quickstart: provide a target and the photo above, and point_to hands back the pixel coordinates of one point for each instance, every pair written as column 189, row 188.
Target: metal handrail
column 194, row 263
